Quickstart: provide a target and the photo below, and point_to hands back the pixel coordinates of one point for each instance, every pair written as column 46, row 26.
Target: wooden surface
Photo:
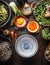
column 38, row 59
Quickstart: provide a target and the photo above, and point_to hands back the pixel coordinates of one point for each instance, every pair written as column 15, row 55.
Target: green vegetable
column 46, row 30
column 15, row 8
column 12, row 21
column 39, row 13
column 3, row 12
column 46, row 33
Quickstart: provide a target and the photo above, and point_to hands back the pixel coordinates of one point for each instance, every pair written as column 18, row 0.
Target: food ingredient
column 12, row 21
column 15, row 8
column 47, row 53
column 5, row 51
column 3, row 13
column 13, row 34
column 47, row 13
column 16, row 11
column 32, row 26
column 40, row 11
column 27, row 10
column 20, row 21
column 46, row 33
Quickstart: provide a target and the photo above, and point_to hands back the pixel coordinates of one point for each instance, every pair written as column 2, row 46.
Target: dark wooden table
column 38, row 59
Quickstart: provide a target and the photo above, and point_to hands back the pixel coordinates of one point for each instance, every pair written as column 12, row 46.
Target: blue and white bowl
column 26, row 46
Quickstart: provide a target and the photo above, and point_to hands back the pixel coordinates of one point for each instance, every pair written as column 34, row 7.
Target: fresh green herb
column 15, row 8
column 39, row 13
column 46, row 33
column 11, row 23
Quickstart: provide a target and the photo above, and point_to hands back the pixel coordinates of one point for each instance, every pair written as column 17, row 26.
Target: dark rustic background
column 38, row 59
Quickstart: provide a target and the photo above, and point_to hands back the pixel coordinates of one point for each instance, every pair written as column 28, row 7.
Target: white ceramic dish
column 26, row 46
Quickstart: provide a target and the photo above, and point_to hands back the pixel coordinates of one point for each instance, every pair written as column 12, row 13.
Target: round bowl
column 4, row 38
column 47, row 53
column 26, row 46
column 9, row 13
column 33, row 26
column 20, row 26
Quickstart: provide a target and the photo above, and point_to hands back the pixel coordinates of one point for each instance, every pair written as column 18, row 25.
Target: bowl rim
column 20, row 16
column 32, row 38
column 2, row 25
column 10, row 43
column 36, row 24
column 45, row 55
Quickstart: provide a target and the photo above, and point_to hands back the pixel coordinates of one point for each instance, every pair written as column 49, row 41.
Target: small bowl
column 9, row 14
column 32, row 21
column 20, row 26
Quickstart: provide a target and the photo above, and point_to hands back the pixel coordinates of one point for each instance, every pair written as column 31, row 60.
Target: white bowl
column 26, row 46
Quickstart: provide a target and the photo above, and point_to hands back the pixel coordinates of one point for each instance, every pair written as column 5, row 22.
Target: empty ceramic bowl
column 26, row 46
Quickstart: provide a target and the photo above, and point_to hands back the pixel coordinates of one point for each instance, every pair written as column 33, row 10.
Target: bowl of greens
column 41, row 12
column 45, row 33
column 5, row 13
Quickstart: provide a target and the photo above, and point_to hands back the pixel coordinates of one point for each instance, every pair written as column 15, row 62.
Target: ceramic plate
column 26, row 46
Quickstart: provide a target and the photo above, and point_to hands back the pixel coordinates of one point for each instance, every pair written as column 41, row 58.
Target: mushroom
column 27, row 10
column 47, row 13
column 6, row 32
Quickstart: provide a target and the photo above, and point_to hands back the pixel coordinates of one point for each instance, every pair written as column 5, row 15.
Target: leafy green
column 46, row 33
column 39, row 13
column 15, row 9
column 12, row 21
